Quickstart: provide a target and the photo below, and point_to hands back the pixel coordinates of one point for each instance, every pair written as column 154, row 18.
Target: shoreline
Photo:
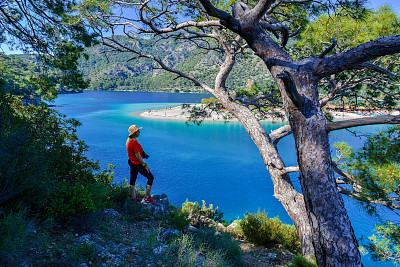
column 177, row 113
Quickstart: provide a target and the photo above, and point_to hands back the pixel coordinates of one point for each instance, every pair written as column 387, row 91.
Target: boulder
column 158, row 209
column 232, row 227
column 170, row 233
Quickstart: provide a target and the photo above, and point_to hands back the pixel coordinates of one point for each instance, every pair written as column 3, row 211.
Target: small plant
column 177, row 218
column 83, row 252
column 150, row 247
column 118, row 194
column 221, row 242
column 71, row 200
column 261, row 230
column 12, row 231
column 182, row 251
column 202, row 215
column 301, row 261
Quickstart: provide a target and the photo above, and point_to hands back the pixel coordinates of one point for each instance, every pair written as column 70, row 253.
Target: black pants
column 138, row 168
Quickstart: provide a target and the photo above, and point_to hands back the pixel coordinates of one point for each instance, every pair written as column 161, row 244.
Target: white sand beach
column 178, row 113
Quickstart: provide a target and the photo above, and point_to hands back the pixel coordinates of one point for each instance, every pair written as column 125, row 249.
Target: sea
column 216, row 162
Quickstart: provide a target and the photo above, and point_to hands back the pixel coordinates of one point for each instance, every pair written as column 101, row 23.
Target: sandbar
column 178, row 113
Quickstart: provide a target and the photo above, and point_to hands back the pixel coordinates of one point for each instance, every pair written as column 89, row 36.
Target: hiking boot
column 150, row 200
column 136, row 199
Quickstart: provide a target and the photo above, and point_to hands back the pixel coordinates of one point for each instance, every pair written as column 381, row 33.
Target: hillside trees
column 263, row 26
column 50, row 30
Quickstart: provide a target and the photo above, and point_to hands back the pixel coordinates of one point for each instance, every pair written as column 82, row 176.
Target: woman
column 137, row 164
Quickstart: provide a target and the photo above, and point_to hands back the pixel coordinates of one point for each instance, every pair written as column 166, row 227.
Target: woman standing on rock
column 137, row 164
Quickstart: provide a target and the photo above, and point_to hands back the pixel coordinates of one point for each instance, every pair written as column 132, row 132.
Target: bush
column 261, row 230
column 301, row 261
column 118, row 195
column 39, row 150
column 13, row 232
column 44, row 166
column 83, row 252
column 215, row 249
column 219, row 241
column 177, row 218
column 202, row 215
column 71, row 200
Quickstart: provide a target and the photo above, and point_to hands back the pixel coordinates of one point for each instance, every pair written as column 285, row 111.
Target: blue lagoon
column 216, row 162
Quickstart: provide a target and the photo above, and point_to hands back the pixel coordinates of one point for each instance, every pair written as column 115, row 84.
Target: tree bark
column 333, row 237
column 334, row 240
column 292, row 201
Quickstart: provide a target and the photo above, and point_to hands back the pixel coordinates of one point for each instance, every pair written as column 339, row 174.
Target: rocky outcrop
column 158, row 209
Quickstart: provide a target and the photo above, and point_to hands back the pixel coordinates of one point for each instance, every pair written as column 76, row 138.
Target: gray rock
column 83, row 239
column 170, row 233
column 111, row 213
column 220, row 226
column 160, row 250
column 193, row 229
column 272, row 256
column 158, row 209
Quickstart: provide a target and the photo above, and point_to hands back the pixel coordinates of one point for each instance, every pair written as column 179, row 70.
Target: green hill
column 116, row 71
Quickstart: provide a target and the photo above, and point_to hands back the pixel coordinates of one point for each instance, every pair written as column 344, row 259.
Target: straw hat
column 133, row 129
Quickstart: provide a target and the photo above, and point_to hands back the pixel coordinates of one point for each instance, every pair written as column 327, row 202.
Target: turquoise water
column 216, row 162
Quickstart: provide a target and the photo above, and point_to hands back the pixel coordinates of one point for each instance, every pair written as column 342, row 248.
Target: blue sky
column 373, row 4
column 395, row 4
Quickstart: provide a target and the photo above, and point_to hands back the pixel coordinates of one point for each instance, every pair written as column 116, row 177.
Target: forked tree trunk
column 292, row 201
column 333, row 237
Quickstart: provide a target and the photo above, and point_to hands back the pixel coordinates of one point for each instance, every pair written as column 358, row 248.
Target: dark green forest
column 116, row 71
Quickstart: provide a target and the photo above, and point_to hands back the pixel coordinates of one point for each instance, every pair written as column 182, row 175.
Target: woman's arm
column 139, row 157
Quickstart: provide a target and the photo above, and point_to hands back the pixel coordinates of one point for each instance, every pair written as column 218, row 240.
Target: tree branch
column 290, row 169
column 273, row 25
column 122, row 48
column 353, row 194
column 368, row 65
column 279, row 133
column 260, row 9
column 291, row 90
column 329, row 49
column 344, row 124
column 356, row 56
column 226, row 19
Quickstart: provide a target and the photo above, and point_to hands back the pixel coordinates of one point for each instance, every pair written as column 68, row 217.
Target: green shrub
column 238, row 228
column 195, row 212
column 13, row 232
column 71, row 200
column 40, row 151
column 182, row 252
column 268, row 232
column 222, row 242
column 177, row 218
column 118, row 195
column 301, row 261
column 83, row 252
column 185, row 250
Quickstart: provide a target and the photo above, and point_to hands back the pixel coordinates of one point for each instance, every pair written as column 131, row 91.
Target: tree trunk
column 292, row 201
column 333, row 237
column 334, row 241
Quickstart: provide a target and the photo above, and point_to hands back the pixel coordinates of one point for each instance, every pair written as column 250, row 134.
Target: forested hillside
column 111, row 71
column 16, row 72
